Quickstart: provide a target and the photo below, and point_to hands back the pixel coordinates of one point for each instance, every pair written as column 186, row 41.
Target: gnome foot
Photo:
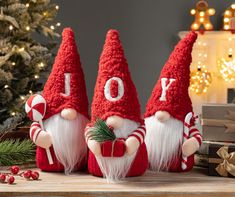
column 175, row 165
column 43, row 163
column 138, row 167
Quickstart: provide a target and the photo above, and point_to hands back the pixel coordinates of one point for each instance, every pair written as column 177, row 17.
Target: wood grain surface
column 194, row 183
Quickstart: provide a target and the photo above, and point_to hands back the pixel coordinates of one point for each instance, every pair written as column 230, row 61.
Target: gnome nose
column 114, row 121
column 69, row 114
column 162, row 116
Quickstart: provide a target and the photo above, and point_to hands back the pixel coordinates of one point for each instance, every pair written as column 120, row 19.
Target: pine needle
column 16, row 152
column 101, row 132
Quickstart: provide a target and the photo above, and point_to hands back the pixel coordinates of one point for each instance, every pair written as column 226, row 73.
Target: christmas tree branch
column 16, row 152
column 101, row 132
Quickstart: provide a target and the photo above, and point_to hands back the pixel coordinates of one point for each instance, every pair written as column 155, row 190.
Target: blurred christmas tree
column 22, row 58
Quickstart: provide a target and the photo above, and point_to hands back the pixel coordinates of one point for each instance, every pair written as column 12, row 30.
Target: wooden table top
column 194, row 183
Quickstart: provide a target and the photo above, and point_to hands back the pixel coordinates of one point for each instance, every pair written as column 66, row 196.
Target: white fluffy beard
column 68, row 140
column 116, row 168
column 163, row 141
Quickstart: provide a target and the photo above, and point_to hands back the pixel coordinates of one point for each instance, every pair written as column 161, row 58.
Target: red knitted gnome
column 116, row 114
column 61, row 144
column 172, row 137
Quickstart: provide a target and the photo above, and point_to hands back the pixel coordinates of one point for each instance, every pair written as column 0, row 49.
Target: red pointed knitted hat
column 115, row 93
column 65, row 87
column 171, row 90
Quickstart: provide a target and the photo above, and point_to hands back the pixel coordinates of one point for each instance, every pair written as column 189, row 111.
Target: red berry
column 27, row 174
column 2, row 178
column 29, row 171
column 36, row 172
column 35, row 175
column 15, row 169
column 10, row 179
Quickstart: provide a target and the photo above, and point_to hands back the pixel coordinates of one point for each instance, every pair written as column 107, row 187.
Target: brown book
column 201, row 160
column 204, row 149
column 218, row 122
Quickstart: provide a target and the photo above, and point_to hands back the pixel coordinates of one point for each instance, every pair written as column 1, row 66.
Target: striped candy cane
column 35, row 107
column 185, row 137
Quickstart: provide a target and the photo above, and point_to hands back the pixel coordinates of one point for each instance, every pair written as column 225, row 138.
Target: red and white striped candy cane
column 35, row 108
column 185, row 137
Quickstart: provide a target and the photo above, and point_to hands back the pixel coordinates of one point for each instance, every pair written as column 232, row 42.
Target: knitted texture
column 138, row 167
column 115, row 94
column 67, row 61
column 177, row 102
column 114, row 65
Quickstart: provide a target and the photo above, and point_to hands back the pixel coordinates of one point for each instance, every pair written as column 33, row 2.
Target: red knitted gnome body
column 170, row 96
column 64, row 89
column 115, row 95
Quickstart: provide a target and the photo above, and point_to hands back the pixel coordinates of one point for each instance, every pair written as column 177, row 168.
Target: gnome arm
column 193, row 143
column 93, row 145
column 195, row 133
column 135, row 139
column 39, row 137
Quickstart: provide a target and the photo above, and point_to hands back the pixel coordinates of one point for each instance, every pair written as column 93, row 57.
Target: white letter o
column 120, row 89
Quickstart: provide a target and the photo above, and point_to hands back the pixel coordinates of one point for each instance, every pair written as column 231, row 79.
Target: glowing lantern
column 226, row 67
column 200, row 80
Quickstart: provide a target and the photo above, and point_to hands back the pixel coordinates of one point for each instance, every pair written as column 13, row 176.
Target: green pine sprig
column 100, row 132
column 14, row 152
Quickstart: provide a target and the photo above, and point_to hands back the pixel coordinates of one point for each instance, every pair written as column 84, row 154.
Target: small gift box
column 116, row 148
column 222, row 160
column 218, row 122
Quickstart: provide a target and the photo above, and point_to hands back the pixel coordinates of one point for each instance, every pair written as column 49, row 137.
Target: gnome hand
column 39, row 137
column 190, row 146
column 132, row 145
column 44, row 140
column 94, row 147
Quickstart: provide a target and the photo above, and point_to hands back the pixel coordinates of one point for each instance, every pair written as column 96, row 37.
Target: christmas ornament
column 202, row 14
column 226, row 67
column 229, row 18
column 9, row 177
column 66, row 113
column 200, row 80
column 115, row 102
column 171, row 136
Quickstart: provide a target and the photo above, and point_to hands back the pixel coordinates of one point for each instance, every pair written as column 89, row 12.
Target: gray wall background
column 148, row 30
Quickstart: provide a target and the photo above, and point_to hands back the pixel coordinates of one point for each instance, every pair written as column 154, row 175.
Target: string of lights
column 20, row 49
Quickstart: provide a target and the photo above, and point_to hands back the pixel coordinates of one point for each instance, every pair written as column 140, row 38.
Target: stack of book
column 217, row 152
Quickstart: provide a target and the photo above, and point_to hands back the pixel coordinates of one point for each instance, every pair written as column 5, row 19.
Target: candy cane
column 185, row 137
column 35, row 108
